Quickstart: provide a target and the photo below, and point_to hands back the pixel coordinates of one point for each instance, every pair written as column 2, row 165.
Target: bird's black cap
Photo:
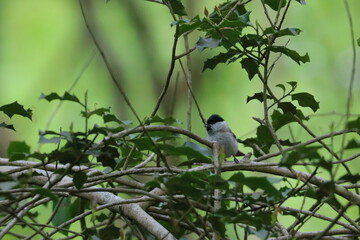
column 214, row 119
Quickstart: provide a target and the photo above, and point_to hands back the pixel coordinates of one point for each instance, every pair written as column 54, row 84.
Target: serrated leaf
column 8, row 126
column 16, row 109
column 354, row 124
column 255, row 183
column 187, row 25
column 211, row 63
column 293, row 84
column 287, row 107
column 245, row 18
column 279, row 120
column 166, row 120
column 353, row 143
column 98, row 112
column 18, row 147
column 18, row 156
column 258, row 96
column 301, row 153
column 264, row 135
column 291, row 53
column 207, row 42
column 252, row 40
column 108, row 117
column 251, row 67
column 79, row 179
column 275, row 4
column 287, row 142
column 283, row 32
column 66, row 97
column 306, row 100
column 177, row 7
column 251, row 142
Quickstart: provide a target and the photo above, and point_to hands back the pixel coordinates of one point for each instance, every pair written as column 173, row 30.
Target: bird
column 218, row 131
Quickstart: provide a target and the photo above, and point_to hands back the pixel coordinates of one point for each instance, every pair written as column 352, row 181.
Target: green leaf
column 353, row 178
column 109, row 233
column 211, row 63
column 44, row 192
column 358, row 42
column 354, row 124
column 353, row 143
column 17, row 147
column 291, row 53
column 107, row 117
column 293, row 84
column 66, row 97
column 281, row 86
column 245, row 18
column 306, row 100
column 283, row 32
column 166, row 120
column 217, row 224
column 187, row 25
column 177, row 7
column 264, row 135
column 289, row 159
column 287, row 142
column 98, row 112
column 180, row 151
column 301, row 153
column 107, row 156
column 79, row 179
column 255, row 183
column 302, row 2
column 279, row 120
column 258, row 96
column 274, row 4
column 207, row 42
column 251, row 67
column 16, row 109
column 143, row 143
column 252, row 40
column 9, row 126
column 287, row 107
column 192, row 184
column 64, row 212
column 203, row 151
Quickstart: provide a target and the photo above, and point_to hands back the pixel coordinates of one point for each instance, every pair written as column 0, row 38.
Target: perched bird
column 218, row 131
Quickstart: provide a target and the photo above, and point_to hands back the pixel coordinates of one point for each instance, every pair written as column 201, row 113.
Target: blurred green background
column 45, row 47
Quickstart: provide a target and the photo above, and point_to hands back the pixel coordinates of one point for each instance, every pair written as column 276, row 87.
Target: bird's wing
column 239, row 153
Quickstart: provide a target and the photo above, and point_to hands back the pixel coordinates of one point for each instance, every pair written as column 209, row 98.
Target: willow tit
column 219, row 131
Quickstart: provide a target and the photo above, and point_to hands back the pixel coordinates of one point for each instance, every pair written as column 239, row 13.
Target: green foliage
column 138, row 162
column 14, row 109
